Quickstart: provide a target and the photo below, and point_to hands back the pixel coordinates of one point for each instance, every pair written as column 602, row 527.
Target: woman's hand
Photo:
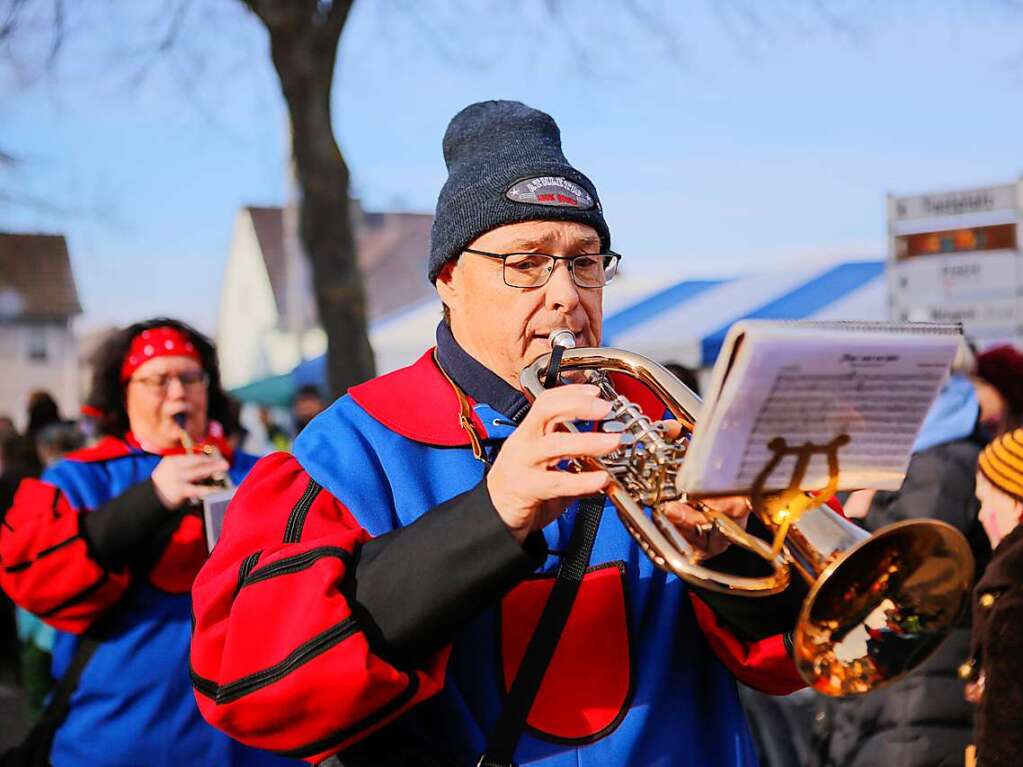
column 177, row 477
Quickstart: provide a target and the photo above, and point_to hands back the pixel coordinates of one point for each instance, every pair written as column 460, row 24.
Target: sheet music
column 214, row 507
column 807, row 383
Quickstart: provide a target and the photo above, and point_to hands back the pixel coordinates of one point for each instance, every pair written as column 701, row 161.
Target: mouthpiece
column 563, row 338
column 186, row 442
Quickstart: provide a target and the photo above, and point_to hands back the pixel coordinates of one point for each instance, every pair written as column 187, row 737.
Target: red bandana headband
column 157, row 342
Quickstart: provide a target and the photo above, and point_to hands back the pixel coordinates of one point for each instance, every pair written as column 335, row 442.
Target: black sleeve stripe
column 296, row 563
column 204, row 686
column 340, row 736
column 243, row 572
column 81, row 596
column 296, row 520
column 55, row 547
column 305, row 652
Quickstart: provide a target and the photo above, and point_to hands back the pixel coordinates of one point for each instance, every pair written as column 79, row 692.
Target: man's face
column 506, row 328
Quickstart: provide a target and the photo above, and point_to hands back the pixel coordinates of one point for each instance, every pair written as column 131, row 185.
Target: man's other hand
column 699, row 530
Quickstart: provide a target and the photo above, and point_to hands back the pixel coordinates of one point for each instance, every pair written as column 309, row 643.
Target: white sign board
column 956, row 203
column 980, row 319
column 956, row 277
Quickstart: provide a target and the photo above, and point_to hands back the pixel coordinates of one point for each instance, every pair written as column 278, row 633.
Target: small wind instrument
column 219, row 479
column 878, row 604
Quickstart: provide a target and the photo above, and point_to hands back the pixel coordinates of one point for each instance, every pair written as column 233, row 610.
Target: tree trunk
column 304, row 36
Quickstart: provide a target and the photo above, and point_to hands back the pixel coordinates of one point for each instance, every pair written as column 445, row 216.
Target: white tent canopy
column 686, row 322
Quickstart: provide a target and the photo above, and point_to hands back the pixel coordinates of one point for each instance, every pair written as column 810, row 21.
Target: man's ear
column 447, row 283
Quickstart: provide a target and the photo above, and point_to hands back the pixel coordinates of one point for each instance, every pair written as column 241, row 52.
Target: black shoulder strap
column 506, row 734
column 57, row 709
column 34, row 750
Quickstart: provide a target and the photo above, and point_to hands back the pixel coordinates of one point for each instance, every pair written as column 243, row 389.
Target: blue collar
column 481, row 384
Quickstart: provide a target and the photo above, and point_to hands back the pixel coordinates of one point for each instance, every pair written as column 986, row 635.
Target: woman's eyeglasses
column 191, row 380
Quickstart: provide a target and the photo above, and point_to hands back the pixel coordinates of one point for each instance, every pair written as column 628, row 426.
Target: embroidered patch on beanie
column 550, row 190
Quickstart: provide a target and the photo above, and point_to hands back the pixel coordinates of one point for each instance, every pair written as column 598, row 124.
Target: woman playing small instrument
column 105, row 547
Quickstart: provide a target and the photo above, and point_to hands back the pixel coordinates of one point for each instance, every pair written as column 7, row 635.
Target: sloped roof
column 392, row 251
column 269, row 226
column 36, row 281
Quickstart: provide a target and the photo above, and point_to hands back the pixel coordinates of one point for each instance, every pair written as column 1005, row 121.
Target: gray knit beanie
column 505, row 165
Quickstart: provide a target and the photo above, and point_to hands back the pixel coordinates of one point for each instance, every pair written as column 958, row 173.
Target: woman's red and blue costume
column 90, row 542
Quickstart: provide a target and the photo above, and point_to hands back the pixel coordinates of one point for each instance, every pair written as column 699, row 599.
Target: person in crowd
column 56, row 440
column 104, row 548
column 22, row 658
column 992, row 670
column 921, row 720
column 42, row 411
column 685, row 375
column 18, row 459
column 400, row 558
column 308, row 404
column 7, row 428
column 999, row 383
column 276, row 436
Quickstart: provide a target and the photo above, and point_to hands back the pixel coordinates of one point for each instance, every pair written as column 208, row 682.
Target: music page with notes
column 812, row 382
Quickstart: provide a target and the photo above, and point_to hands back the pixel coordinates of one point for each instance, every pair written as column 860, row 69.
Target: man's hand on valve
column 696, row 527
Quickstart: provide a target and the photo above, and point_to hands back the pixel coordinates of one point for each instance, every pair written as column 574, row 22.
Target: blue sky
column 720, row 143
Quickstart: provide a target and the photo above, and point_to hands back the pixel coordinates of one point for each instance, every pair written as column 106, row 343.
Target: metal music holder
column 785, row 507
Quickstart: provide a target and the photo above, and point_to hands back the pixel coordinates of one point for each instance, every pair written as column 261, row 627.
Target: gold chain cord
column 464, row 414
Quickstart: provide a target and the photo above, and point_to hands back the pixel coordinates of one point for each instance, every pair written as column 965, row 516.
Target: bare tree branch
column 58, row 33
column 656, row 28
column 11, row 18
column 582, row 59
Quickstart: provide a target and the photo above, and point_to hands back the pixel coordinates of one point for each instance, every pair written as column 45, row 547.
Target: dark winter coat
column 924, row 719
column 997, row 651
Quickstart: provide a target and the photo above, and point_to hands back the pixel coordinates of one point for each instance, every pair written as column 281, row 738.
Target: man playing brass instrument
column 375, row 593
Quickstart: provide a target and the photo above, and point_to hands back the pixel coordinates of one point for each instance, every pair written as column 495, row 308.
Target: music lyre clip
column 788, row 505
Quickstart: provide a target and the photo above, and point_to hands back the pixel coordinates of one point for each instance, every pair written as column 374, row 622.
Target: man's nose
column 562, row 292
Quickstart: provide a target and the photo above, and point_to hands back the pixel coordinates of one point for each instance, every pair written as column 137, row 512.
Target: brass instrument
column 878, row 604
column 220, row 479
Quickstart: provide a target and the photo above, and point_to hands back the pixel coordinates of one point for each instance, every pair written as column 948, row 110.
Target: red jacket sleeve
column 766, row 664
column 279, row 660
column 47, row 567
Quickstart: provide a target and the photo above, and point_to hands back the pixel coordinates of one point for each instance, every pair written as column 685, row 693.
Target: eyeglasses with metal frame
column 533, row 270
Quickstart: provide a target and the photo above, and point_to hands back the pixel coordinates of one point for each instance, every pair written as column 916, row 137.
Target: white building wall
column 248, row 346
column 21, row 374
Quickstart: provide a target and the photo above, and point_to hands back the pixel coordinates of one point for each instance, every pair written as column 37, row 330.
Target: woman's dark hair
column 108, row 395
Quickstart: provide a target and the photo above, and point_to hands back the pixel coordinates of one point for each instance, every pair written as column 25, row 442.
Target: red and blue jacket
column 90, row 545
column 365, row 597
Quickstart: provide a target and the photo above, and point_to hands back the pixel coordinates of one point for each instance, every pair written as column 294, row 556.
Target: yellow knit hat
column 1002, row 463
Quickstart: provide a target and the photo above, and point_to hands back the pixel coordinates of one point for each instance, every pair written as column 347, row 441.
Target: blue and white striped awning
column 687, row 321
